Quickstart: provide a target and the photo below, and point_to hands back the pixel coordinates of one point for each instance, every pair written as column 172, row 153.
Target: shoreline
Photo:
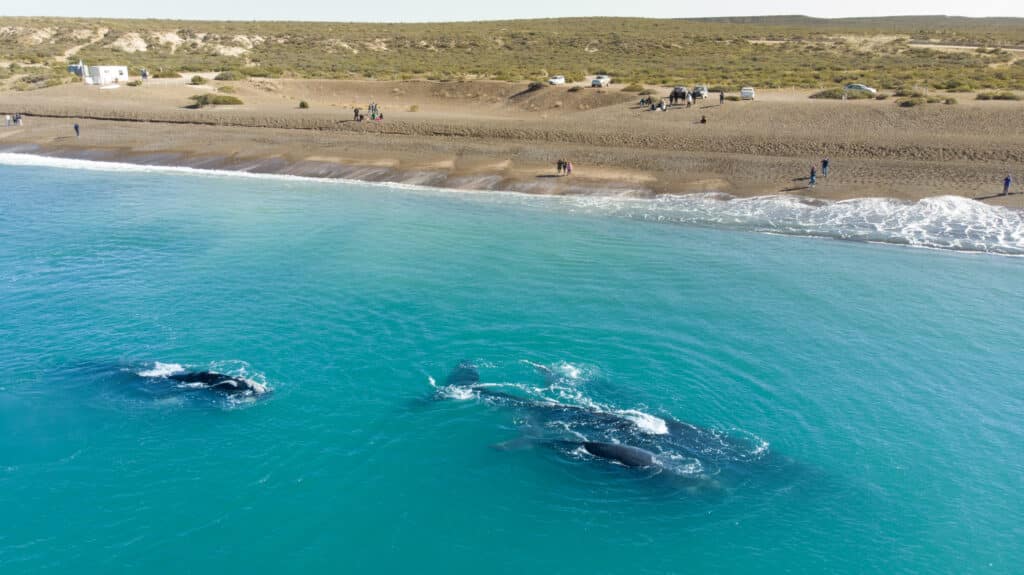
column 887, row 221
column 326, row 171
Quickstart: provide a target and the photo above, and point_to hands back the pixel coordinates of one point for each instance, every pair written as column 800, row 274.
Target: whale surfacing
column 229, row 384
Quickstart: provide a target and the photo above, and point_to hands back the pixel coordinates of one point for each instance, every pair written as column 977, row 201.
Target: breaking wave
column 941, row 222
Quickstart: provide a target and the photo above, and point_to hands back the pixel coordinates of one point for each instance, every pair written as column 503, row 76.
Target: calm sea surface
column 868, row 397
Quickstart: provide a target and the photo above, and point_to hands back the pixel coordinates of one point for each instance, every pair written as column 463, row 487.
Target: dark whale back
column 625, row 454
column 464, row 374
column 213, row 380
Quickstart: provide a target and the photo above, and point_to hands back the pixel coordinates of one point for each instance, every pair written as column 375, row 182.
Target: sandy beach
column 491, row 135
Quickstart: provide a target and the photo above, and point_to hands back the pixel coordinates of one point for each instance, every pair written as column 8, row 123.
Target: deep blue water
column 872, row 392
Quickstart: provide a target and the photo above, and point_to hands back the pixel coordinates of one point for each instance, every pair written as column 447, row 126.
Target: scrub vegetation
column 955, row 54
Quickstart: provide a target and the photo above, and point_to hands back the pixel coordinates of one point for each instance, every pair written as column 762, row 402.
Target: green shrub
column 837, row 94
column 908, row 93
column 733, row 98
column 648, row 92
column 226, row 89
column 197, row 80
column 230, row 76
column 830, row 94
column 952, row 85
column 414, row 108
column 304, row 105
column 214, row 100
column 911, row 102
column 575, row 88
column 998, row 96
column 634, row 87
column 135, row 83
column 164, row 74
column 949, row 101
column 881, row 96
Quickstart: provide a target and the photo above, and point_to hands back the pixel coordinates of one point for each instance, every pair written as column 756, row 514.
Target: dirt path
column 100, row 34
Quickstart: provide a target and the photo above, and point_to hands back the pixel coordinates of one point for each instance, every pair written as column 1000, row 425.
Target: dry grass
column 730, row 52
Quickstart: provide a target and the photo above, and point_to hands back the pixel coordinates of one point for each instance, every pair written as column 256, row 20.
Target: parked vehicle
column 746, row 93
column 700, row 91
column 680, row 92
column 556, row 80
column 860, row 88
column 601, row 81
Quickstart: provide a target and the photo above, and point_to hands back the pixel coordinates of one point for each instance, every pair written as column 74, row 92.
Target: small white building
column 103, row 75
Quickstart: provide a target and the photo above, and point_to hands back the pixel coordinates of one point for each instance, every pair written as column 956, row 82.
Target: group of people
column 563, row 167
column 814, row 171
column 661, row 106
column 680, row 98
column 376, row 114
column 14, row 120
column 673, row 99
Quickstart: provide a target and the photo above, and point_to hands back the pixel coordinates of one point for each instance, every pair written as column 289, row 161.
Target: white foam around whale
column 161, row 370
column 645, row 422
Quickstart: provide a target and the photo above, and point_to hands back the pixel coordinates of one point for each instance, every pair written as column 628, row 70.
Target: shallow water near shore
column 877, row 387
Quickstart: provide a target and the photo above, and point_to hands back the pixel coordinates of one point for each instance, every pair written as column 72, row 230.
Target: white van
column 746, row 93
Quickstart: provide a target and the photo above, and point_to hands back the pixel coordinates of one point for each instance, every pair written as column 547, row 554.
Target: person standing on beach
column 721, row 98
column 568, row 168
column 7, row 120
column 824, row 168
column 77, row 131
column 1006, row 184
column 814, row 176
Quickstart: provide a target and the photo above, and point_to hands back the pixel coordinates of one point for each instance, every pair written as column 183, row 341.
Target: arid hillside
column 765, row 52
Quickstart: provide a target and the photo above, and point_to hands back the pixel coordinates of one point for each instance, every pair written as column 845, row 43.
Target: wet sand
column 500, row 136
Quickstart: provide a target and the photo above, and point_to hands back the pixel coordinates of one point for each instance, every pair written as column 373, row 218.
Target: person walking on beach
column 559, row 166
column 814, row 176
column 824, row 168
column 568, row 168
column 721, row 97
column 77, row 133
column 1006, row 184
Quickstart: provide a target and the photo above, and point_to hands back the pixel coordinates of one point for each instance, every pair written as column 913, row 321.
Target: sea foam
column 939, row 222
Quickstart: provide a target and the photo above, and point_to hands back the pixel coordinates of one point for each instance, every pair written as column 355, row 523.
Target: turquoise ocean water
column 866, row 396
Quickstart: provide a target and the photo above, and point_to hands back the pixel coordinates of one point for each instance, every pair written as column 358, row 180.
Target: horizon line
column 538, row 19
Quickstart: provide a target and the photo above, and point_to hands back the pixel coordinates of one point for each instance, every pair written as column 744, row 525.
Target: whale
column 220, row 382
column 627, row 455
column 630, row 438
column 687, row 437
